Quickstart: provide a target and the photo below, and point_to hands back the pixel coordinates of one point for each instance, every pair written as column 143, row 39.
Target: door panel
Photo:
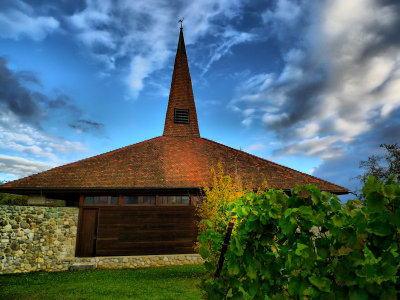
column 87, row 232
column 146, row 230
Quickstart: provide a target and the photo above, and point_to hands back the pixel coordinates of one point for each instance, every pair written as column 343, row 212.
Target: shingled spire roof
column 180, row 159
column 181, row 117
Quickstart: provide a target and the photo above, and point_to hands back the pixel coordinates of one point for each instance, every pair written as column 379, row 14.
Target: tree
column 382, row 166
column 216, row 202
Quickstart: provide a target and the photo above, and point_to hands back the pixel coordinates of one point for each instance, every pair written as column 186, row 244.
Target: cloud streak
column 23, row 108
column 140, row 32
column 19, row 20
column 32, row 106
column 20, row 167
column 338, row 82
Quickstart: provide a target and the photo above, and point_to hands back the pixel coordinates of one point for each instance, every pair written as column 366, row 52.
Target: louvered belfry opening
column 181, row 117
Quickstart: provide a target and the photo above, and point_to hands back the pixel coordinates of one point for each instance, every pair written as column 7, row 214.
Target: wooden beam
column 81, row 200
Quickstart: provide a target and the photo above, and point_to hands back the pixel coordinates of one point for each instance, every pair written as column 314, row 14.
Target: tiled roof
column 168, row 162
column 178, row 159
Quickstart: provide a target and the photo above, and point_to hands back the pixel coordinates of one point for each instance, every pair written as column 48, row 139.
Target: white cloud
column 21, row 140
column 322, row 147
column 283, row 18
column 229, row 39
column 285, row 11
column 141, row 32
column 337, row 82
column 20, row 167
column 19, row 21
column 255, row 147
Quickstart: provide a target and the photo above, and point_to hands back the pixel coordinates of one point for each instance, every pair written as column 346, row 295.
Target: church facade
column 140, row 199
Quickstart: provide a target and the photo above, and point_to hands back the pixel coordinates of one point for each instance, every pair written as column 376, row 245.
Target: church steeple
column 181, row 117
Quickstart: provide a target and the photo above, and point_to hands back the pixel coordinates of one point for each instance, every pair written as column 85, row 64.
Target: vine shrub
column 309, row 246
column 214, row 209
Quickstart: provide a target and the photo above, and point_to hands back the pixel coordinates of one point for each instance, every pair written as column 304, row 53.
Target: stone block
column 82, row 266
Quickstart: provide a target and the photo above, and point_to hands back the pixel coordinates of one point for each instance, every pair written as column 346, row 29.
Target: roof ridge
column 279, row 165
column 78, row 161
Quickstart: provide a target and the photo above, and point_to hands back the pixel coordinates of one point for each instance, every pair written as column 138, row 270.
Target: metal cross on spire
column 181, row 21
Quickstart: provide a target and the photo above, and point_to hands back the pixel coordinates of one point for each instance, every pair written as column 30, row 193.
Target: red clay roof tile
column 168, row 162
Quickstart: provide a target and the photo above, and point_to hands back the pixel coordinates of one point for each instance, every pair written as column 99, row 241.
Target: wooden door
column 87, row 232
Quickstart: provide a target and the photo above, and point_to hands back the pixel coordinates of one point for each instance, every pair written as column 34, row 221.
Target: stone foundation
column 119, row 262
column 37, row 238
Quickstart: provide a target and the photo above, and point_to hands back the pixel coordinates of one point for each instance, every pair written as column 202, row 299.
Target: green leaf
column 209, row 224
column 300, row 249
column 375, row 201
column 233, row 268
column 288, row 212
column 322, row 283
column 306, row 210
column 204, row 252
column 379, row 228
column 301, row 246
column 287, row 227
column 251, row 272
column 335, row 203
column 237, row 248
column 358, row 294
column 245, row 210
column 339, row 220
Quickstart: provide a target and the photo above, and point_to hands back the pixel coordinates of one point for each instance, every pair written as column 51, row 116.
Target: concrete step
column 82, row 266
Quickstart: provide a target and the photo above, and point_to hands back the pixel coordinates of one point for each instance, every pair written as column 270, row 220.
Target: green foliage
column 12, row 199
column 309, row 246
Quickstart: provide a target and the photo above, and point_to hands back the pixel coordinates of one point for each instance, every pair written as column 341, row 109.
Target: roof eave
column 26, row 190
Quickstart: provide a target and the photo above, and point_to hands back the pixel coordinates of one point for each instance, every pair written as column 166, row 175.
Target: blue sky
column 313, row 85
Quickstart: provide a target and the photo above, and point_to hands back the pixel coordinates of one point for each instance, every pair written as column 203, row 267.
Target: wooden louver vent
column 181, row 116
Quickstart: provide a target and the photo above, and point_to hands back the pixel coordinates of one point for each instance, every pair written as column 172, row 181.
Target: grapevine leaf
column 288, row 212
column 322, row 283
column 379, row 228
column 209, row 224
column 245, row 210
column 237, row 249
column 301, row 246
column 358, row 294
column 251, row 272
column 233, row 268
column 338, row 220
column 306, row 210
column 204, row 252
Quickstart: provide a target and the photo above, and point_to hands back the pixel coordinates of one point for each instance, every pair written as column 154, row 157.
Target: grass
column 179, row 282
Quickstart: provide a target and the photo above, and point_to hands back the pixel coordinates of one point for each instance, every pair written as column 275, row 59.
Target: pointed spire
column 181, row 44
column 181, row 117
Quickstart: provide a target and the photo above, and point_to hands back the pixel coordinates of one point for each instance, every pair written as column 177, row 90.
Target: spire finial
column 181, row 21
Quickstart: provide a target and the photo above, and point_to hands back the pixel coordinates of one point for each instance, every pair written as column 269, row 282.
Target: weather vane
column 181, row 21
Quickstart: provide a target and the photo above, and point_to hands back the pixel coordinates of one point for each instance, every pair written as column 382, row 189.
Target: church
column 140, row 199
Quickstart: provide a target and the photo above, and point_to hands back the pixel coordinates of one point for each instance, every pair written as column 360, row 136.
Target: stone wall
column 35, row 238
